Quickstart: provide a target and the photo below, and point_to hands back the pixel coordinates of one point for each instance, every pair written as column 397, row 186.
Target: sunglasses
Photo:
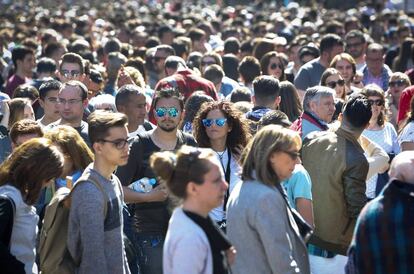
column 378, row 102
column 294, row 155
column 70, row 73
column 172, row 112
column 397, row 83
column 333, row 84
column 119, row 143
column 275, row 66
column 219, row 122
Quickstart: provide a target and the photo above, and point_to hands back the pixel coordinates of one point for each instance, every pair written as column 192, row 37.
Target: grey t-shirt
column 309, row 75
column 93, row 238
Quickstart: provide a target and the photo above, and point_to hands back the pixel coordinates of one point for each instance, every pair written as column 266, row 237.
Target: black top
column 150, row 216
column 9, row 263
column 218, row 241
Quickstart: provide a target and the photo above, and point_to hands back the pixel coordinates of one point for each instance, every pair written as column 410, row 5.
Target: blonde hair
column 268, row 140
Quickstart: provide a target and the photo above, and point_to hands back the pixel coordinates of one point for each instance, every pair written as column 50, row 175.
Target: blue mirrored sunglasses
column 172, row 112
column 219, row 122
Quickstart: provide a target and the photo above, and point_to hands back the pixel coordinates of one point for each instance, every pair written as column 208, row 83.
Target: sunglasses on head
column 378, row 102
column 397, row 83
column 219, row 122
column 333, row 84
column 172, row 112
column 275, row 66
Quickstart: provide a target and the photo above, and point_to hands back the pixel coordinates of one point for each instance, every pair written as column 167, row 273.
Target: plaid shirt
column 384, row 235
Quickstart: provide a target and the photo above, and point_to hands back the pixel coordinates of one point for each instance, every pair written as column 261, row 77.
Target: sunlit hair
column 189, row 164
column 256, row 156
column 30, row 166
column 375, row 90
column 236, row 139
column 72, row 145
column 17, row 106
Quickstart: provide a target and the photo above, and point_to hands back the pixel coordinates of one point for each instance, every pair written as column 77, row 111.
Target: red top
column 404, row 105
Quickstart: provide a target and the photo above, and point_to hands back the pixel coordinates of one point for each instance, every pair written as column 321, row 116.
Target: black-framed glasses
column 118, row 143
column 333, row 84
column 70, row 73
column 275, row 66
column 397, row 83
column 377, row 102
column 172, row 112
column 219, row 122
column 69, row 102
column 294, row 155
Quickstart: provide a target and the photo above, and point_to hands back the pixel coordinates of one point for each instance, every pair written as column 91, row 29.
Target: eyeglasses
column 119, row 143
column 53, row 100
column 275, row 66
column 294, row 155
column 397, row 83
column 70, row 73
column 219, row 122
column 159, row 58
column 172, row 112
column 378, row 102
column 69, row 102
column 333, row 84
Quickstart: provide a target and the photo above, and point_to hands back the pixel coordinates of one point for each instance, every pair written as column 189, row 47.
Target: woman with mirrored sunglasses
column 272, row 63
column 333, row 79
column 381, row 132
column 221, row 127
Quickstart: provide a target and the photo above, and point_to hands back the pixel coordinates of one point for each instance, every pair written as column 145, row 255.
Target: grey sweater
column 93, row 238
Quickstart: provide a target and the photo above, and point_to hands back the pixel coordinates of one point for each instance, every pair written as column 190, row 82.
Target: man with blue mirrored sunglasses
column 151, row 208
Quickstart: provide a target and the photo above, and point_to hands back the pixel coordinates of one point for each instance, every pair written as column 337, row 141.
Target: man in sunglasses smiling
column 151, row 215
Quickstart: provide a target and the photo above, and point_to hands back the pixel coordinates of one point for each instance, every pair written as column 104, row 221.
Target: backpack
column 53, row 252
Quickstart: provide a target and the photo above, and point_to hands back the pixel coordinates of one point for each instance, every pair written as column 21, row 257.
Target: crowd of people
column 151, row 137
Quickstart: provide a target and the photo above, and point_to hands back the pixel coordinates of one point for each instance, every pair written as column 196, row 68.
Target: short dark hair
column 355, row 34
column 240, row 94
column 357, row 111
column 51, row 48
column 168, row 93
column 19, row 53
column 266, row 88
column 122, row 97
column 48, row 86
column 164, row 29
column 26, row 91
column 25, row 127
column 232, row 45
column 214, row 73
column 112, row 45
column 46, row 65
column 99, row 123
column 249, row 68
column 75, row 58
column 274, row 117
column 166, row 48
column 196, row 34
column 329, row 41
column 173, row 62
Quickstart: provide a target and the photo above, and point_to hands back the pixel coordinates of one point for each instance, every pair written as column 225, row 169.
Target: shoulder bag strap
column 227, row 177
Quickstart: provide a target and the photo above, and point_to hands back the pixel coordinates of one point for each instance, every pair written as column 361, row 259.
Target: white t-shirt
column 407, row 134
column 387, row 139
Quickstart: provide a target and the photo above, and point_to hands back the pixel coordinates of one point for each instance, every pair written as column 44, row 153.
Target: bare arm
column 305, row 209
column 158, row 194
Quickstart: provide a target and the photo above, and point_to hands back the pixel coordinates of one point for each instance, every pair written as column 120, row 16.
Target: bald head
column 402, row 167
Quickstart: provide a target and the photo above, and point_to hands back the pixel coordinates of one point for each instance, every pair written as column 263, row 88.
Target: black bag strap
column 227, row 177
column 10, row 228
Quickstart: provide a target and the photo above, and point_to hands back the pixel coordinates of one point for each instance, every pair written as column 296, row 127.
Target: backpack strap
column 85, row 179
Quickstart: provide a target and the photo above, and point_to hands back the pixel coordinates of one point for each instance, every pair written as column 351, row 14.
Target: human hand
column 158, row 194
column 124, row 78
column 231, row 255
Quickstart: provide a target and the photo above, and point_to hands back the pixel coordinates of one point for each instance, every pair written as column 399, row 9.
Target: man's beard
column 167, row 129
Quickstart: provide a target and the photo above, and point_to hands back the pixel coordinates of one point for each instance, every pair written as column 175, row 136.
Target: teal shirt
column 299, row 185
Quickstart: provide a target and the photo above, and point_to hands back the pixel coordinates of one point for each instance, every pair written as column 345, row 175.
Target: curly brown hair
column 239, row 135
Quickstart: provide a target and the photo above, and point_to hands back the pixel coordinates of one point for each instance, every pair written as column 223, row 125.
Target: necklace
column 221, row 155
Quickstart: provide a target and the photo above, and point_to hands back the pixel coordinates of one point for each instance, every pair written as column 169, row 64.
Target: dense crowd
column 190, row 137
